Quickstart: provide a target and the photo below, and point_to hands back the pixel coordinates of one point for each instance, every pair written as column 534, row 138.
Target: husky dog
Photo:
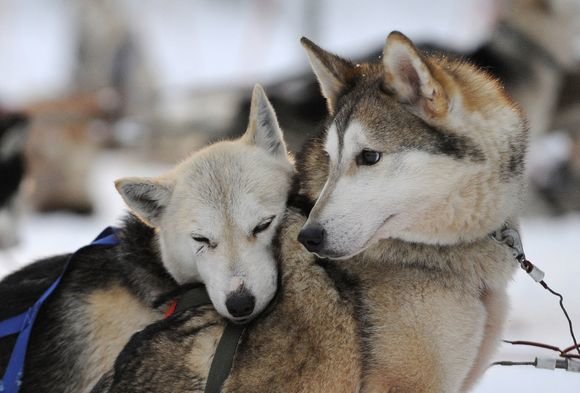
column 425, row 159
column 12, row 170
column 210, row 220
column 421, row 160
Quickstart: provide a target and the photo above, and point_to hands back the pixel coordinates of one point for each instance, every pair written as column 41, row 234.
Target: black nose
column 312, row 237
column 240, row 304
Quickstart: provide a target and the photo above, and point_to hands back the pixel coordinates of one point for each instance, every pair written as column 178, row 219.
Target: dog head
column 417, row 148
column 217, row 212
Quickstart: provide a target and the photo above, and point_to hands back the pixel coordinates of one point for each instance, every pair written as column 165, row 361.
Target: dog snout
column 312, row 237
column 240, row 304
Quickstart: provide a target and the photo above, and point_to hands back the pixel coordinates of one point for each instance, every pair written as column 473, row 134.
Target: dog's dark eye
column 368, row 157
column 261, row 227
column 200, row 239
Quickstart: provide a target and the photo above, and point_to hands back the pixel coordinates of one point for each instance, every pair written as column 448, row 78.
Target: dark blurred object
column 13, row 133
column 558, row 179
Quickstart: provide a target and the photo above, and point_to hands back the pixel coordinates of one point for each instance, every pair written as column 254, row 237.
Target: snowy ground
column 552, row 243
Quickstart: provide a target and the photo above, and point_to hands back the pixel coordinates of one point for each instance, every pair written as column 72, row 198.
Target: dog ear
column 13, row 135
column 263, row 128
column 409, row 76
column 146, row 197
column 333, row 73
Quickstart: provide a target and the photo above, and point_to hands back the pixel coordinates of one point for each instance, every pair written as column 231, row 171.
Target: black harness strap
column 193, row 298
column 225, row 352
column 227, row 347
column 223, row 359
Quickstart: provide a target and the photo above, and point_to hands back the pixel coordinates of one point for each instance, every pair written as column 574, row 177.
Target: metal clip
column 511, row 238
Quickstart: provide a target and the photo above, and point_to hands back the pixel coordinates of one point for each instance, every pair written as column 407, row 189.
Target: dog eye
column 200, row 239
column 261, row 227
column 368, row 157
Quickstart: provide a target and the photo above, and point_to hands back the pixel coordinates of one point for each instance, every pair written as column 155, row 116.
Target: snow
column 34, row 33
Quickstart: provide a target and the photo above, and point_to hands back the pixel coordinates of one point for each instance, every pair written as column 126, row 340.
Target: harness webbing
column 22, row 324
column 225, row 352
column 193, row 298
column 223, row 358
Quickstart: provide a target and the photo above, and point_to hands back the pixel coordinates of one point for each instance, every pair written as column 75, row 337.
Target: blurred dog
column 13, row 132
column 62, row 148
column 555, row 158
column 209, row 220
column 421, row 160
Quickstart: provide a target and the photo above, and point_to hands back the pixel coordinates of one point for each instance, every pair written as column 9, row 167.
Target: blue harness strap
column 22, row 324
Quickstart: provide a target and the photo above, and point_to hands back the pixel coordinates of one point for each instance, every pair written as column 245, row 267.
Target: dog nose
column 240, row 304
column 312, row 237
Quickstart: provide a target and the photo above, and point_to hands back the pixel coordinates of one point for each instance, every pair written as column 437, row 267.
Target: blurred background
column 93, row 90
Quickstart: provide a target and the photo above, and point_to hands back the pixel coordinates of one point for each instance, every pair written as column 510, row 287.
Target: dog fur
column 416, row 305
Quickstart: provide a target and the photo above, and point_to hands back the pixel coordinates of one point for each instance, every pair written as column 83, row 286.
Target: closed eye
column 204, row 240
column 200, row 239
column 263, row 225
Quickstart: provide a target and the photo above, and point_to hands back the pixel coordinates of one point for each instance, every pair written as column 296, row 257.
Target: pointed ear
column 409, row 76
column 333, row 73
column 146, row 197
column 13, row 135
column 263, row 128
